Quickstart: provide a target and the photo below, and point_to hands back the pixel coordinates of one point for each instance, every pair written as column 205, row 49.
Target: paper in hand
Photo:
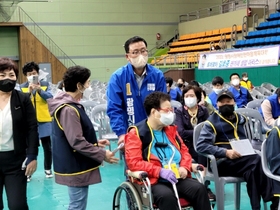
column 243, row 146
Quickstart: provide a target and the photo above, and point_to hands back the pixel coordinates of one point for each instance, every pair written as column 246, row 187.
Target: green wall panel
column 9, row 42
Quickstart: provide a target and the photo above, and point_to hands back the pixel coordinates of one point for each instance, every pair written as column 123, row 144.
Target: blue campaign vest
column 275, row 106
column 213, row 97
column 67, row 161
column 240, row 97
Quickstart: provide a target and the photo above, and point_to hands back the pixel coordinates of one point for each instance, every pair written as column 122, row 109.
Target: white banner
column 256, row 57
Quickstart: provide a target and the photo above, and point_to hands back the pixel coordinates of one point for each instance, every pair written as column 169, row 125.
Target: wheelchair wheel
column 126, row 198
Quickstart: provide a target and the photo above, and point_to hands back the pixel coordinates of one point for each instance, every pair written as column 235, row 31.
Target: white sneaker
column 48, row 173
column 28, row 178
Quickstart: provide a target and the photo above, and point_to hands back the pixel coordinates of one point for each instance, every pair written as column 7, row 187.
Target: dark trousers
column 250, row 168
column 47, row 147
column 190, row 189
column 14, row 181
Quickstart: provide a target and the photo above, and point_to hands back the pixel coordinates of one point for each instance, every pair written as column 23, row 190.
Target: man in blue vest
column 218, row 85
column 129, row 86
column 241, row 94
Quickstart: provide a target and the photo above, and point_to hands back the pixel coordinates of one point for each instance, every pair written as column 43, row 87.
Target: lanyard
column 160, row 153
column 234, row 126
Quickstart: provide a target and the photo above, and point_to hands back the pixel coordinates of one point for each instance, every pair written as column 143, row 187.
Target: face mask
column 235, row 82
column 217, row 91
column 245, row 78
column 30, row 78
column 180, row 85
column 167, row 118
column 226, row 110
column 7, row 85
column 190, row 102
column 139, row 62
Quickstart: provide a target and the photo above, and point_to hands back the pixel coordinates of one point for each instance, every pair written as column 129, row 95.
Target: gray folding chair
column 255, row 104
column 102, row 121
column 219, row 181
column 266, row 169
column 270, row 87
column 256, row 127
column 175, row 104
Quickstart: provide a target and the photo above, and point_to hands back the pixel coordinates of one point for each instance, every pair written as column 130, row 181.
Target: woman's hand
column 103, row 143
column 109, row 157
column 31, row 168
column 183, row 172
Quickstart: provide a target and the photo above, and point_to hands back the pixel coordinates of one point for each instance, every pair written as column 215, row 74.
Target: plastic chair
column 214, row 176
column 175, row 104
column 263, row 91
column 257, row 95
column 219, row 181
column 269, row 86
column 265, row 167
column 102, row 121
column 255, row 104
column 255, row 126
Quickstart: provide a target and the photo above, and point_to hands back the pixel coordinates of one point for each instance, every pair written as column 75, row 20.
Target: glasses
column 138, row 52
column 167, row 110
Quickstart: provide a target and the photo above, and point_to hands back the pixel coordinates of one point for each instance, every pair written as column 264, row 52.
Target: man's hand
column 232, row 154
column 109, row 157
column 183, row 172
column 31, row 168
column 103, row 143
column 32, row 87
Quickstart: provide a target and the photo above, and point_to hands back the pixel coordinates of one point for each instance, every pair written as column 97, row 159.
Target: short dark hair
column 169, row 81
column 277, row 91
column 244, row 74
column 204, row 56
column 182, row 80
column 29, row 67
column 7, row 63
column 233, row 74
column 217, row 80
column 194, row 83
column 75, row 75
column 132, row 40
column 153, row 101
column 197, row 92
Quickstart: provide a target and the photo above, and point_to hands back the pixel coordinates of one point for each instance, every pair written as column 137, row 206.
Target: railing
column 21, row 16
column 220, row 9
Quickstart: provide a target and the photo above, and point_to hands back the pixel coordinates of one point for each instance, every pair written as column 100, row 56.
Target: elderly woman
column 19, row 138
column 187, row 117
column 77, row 154
column 147, row 147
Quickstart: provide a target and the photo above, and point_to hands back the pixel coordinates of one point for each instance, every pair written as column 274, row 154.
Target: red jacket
column 134, row 152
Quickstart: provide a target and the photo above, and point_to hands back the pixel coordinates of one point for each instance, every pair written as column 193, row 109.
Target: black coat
column 25, row 128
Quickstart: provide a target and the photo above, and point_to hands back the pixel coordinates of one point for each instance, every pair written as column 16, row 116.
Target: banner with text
column 257, row 57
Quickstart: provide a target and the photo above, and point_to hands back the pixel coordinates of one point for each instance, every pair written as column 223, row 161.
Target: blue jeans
column 78, row 198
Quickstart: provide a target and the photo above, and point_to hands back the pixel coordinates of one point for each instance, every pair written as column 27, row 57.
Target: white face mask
column 139, row 62
column 190, row 102
column 235, row 82
column 167, row 118
column 217, row 91
column 30, row 78
column 245, row 78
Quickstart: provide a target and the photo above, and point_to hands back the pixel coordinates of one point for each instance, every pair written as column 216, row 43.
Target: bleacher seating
column 201, row 41
column 267, row 33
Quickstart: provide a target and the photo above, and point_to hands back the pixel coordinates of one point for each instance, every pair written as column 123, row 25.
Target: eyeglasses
column 138, row 52
column 167, row 110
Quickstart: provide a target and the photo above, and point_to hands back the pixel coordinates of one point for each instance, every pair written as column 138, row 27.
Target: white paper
column 243, row 146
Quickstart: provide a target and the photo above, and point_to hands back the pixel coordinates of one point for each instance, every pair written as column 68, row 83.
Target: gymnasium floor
column 45, row 194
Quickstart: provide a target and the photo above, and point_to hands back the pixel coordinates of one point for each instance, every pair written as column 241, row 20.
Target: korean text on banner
column 267, row 56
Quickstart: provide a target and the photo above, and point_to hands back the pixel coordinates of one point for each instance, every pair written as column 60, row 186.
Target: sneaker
column 211, row 195
column 28, row 178
column 48, row 173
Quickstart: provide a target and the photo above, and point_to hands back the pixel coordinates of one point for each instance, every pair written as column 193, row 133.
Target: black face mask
column 7, row 85
column 226, row 110
column 180, row 85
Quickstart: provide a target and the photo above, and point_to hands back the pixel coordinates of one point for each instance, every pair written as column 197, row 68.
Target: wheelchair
column 131, row 195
